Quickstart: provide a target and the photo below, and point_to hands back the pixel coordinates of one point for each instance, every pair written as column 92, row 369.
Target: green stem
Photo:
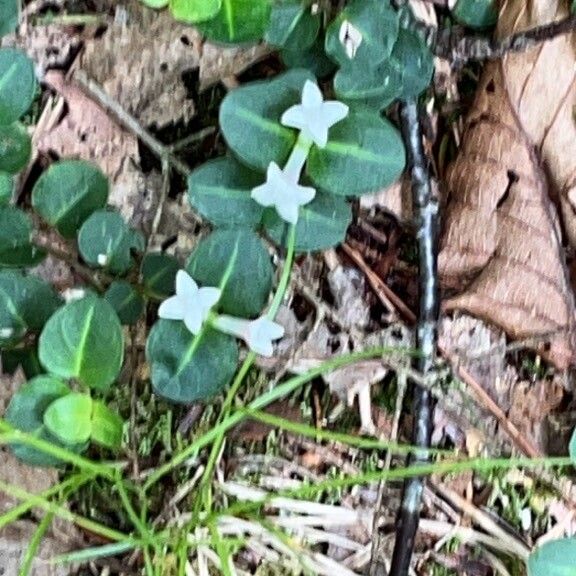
column 261, row 402
column 34, row 544
column 249, row 361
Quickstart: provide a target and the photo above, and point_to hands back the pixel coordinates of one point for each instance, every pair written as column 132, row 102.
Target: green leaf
column 106, row 426
column 292, row 25
column 26, row 304
column 6, row 189
column 26, row 413
column 9, row 13
column 363, row 33
column 572, row 447
column 17, row 84
column 16, row 248
column 376, row 89
column 105, row 240
column 321, row 224
column 68, row 192
column 555, row 558
column 127, row 303
column 250, row 119
column 70, row 418
column 193, row 11
column 15, row 148
column 364, row 153
column 415, row 62
column 84, row 340
column 159, row 275
column 238, row 21
column 313, row 59
column 187, row 368
column 477, row 13
column 220, row 191
column 155, row 3
column 236, row 261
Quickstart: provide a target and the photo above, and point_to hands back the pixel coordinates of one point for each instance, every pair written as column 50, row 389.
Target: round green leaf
column 127, row 303
column 26, row 303
column 84, row 340
column 16, row 248
column 159, row 275
column 237, row 262
column 220, row 191
column 187, row 368
column 193, row 11
column 363, row 33
column 415, row 62
column 26, row 413
column 155, row 3
column 376, row 89
column 250, row 119
column 321, row 224
column 68, row 192
column 6, row 189
column 106, row 240
column 364, row 153
column 17, row 84
column 292, row 25
column 9, row 13
column 555, row 558
column 313, row 59
column 476, row 13
column 237, row 21
column 15, row 148
column 106, row 426
column 70, row 418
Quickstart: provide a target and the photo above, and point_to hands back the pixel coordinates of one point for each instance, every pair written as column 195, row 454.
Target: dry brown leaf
column 81, row 129
column 502, row 233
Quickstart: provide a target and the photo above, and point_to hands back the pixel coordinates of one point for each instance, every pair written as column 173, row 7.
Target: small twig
column 461, row 49
column 386, row 295
column 130, row 123
column 426, row 336
column 82, row 271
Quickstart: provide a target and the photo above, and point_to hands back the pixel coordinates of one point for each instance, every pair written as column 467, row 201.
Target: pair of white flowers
column 193, row 305
column 313, row 117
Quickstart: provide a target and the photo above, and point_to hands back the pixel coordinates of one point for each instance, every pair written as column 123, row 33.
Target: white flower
column 258, row 334
column 281, row 191
column 314, row 116
column 191, row 304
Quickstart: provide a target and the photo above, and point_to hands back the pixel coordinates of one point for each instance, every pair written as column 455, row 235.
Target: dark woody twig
column 426, row 209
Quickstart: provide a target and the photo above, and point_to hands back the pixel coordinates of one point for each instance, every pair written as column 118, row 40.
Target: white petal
column 172, row 309
column 263, row 194
column 311, row 95
column 185, row 285
column 208, row 297
column 193, row 319
column 294, row 117
column 318, row 132
column 334, row 111
column 264, row 348
column 273, row 330
column 302, row 195
column 288, row 211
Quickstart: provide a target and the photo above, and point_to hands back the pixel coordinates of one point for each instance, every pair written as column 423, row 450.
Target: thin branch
column 129, row 122
column 459, row 49
column 426, row 337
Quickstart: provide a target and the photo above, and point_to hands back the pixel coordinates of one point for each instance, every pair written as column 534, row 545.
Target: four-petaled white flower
column 258, row 334
column 314, row 116
column 281, row 191
column 190, row 304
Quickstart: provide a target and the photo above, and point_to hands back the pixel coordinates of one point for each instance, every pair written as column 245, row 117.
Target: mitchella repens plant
column 295, row 161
